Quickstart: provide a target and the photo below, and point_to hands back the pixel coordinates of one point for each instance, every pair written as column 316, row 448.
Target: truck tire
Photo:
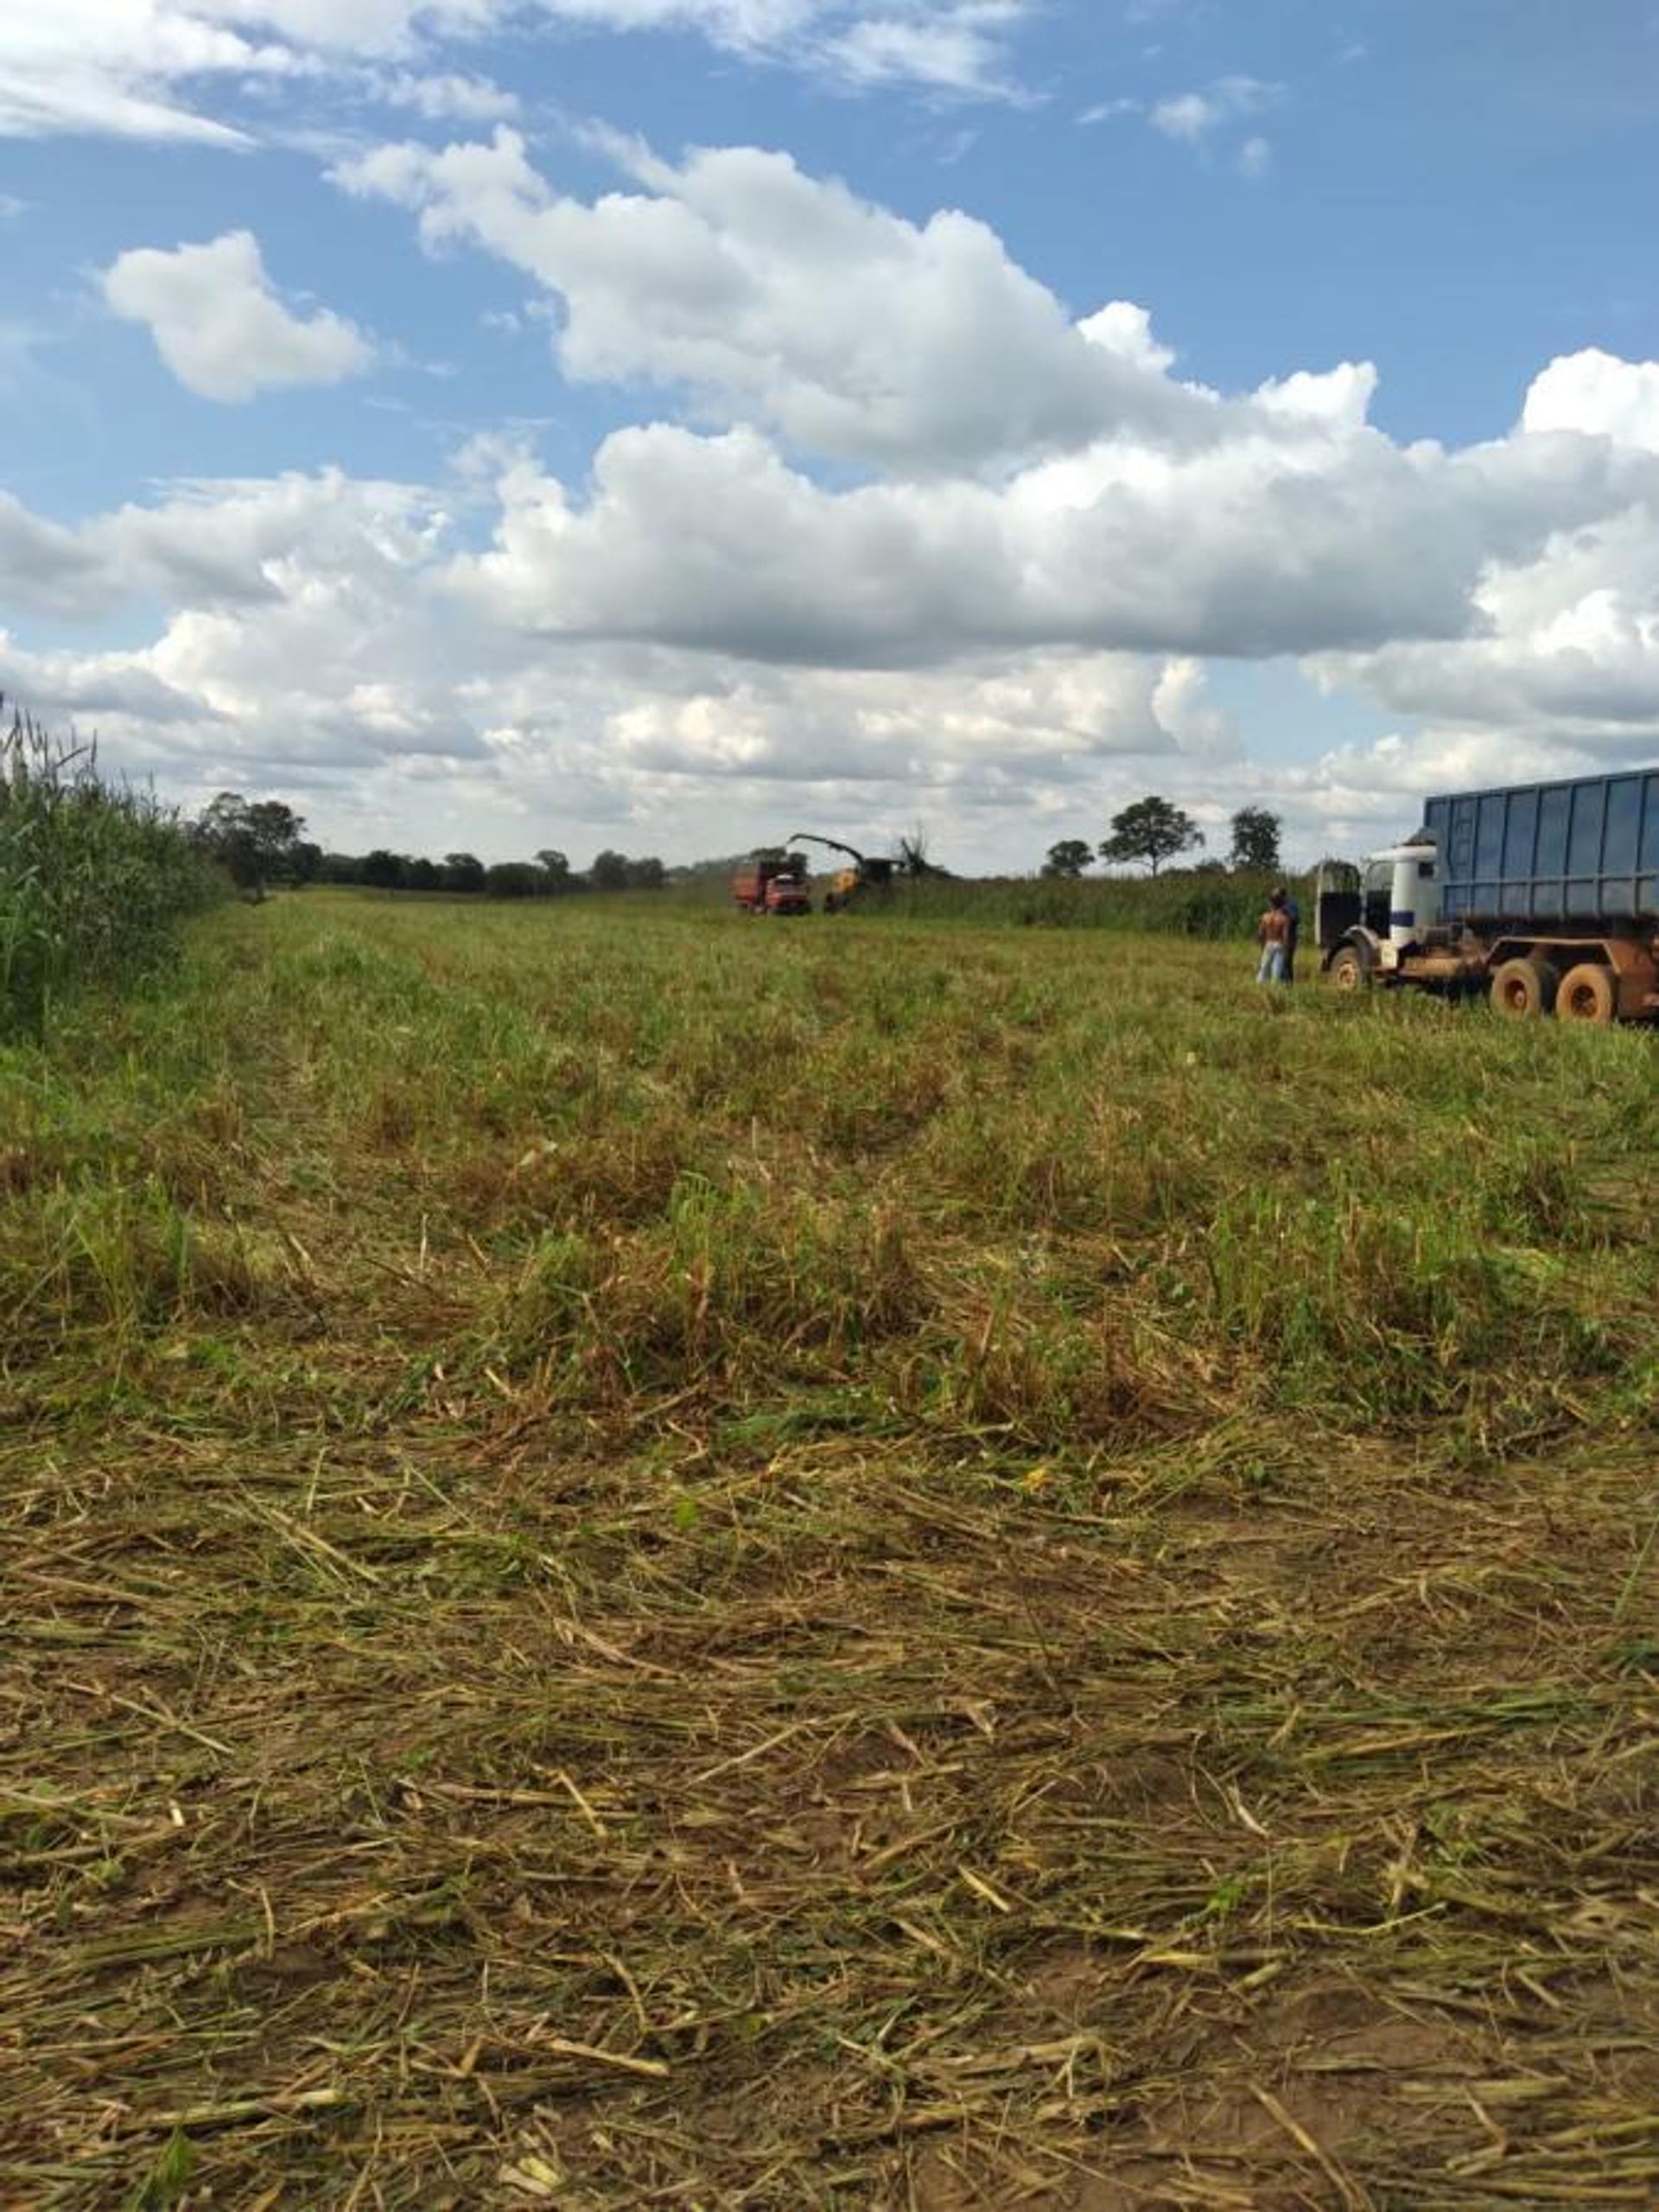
column 1588, row 993
column 1524, row 989
column 1350, row 970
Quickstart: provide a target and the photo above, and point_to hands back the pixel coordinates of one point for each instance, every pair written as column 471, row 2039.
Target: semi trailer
column 1545, row 896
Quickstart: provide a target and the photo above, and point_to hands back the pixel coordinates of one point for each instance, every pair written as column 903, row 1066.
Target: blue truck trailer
column 1545, row 896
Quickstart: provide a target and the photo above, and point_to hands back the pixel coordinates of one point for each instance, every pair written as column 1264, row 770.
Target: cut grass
column 659, row 1560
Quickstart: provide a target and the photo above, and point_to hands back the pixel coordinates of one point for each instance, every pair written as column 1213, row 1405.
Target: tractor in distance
column 774, row 882
column 856, row 881
column 1543, row 896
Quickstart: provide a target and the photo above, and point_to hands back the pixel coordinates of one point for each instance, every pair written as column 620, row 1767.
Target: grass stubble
column 669, row 1561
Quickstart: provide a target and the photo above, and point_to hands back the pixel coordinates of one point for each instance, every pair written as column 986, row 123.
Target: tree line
column 1153, row 830
column 262, row 843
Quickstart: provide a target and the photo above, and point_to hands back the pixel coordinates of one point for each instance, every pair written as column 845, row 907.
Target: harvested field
column 655, row 1559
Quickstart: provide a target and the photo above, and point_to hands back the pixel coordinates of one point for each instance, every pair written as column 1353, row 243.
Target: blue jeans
column 1273, row 969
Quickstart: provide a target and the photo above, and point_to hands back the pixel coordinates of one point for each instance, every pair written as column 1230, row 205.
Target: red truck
column 772, row 883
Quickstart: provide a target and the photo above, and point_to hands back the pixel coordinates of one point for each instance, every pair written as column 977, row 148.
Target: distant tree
column 462, row 872
column 340, row 867
column 646, row 874
column 1256, row 840
column 1069, row 857
column 307, row 861
column 609, row 872
column 277, row 837
column 514, row 879
column 556, row 867
column 1152, row 830
column 383, row 870
column 256, row 842
column 423, row 874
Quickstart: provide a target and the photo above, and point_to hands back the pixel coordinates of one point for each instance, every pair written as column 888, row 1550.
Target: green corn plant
column 94, row 877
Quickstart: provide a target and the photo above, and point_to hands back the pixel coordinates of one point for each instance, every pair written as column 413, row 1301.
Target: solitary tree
column 258, row 842
column 1152, row 830
column 1069, row 857
column 1256, row 840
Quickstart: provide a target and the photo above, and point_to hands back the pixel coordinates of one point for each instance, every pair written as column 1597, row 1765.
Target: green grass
column 95, row 879
column 659, row 1558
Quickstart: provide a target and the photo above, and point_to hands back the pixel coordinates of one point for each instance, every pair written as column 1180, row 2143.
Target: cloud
column 1562, row 648
column 315, row 642
column 927, row 541
column 707, row 632
column 220, row 325
column 1599, row 394
column 1317, row 537
column 1255, row 158
column 148, row 68
column 116, row 67
column 952, row 46
column 444, row 97
column 1193, row 118
column 955, row 50
column 227, row 544
column 781, row 300
column 1565, row 646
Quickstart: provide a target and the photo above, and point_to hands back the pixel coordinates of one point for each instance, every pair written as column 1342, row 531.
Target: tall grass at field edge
column 95, row 877
column 1208, row 903
column 1184, row 902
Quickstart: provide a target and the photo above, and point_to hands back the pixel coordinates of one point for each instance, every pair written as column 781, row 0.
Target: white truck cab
column 1400, row 899
column 1367, row 917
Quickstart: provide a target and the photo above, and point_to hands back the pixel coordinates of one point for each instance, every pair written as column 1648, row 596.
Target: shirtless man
column 1273, row 934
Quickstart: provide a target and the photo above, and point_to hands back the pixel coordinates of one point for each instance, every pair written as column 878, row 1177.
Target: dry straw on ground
column 540, row 1668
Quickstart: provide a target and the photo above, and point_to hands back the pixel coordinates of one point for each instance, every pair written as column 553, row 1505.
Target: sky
column 665, row 424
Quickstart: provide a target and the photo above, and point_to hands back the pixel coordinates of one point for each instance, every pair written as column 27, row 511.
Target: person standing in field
column 1273, row 934
column 1293, row 909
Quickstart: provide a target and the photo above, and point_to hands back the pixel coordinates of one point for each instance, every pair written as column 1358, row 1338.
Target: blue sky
column 587, row 421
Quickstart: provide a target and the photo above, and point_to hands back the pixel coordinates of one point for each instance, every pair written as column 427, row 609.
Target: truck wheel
column 1587, row 994
column 1350, row 970
column 1524, row 989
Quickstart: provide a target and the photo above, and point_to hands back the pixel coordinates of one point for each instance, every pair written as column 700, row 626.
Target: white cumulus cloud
column 784, row 300
column 221, row 328
column 1599, row 394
